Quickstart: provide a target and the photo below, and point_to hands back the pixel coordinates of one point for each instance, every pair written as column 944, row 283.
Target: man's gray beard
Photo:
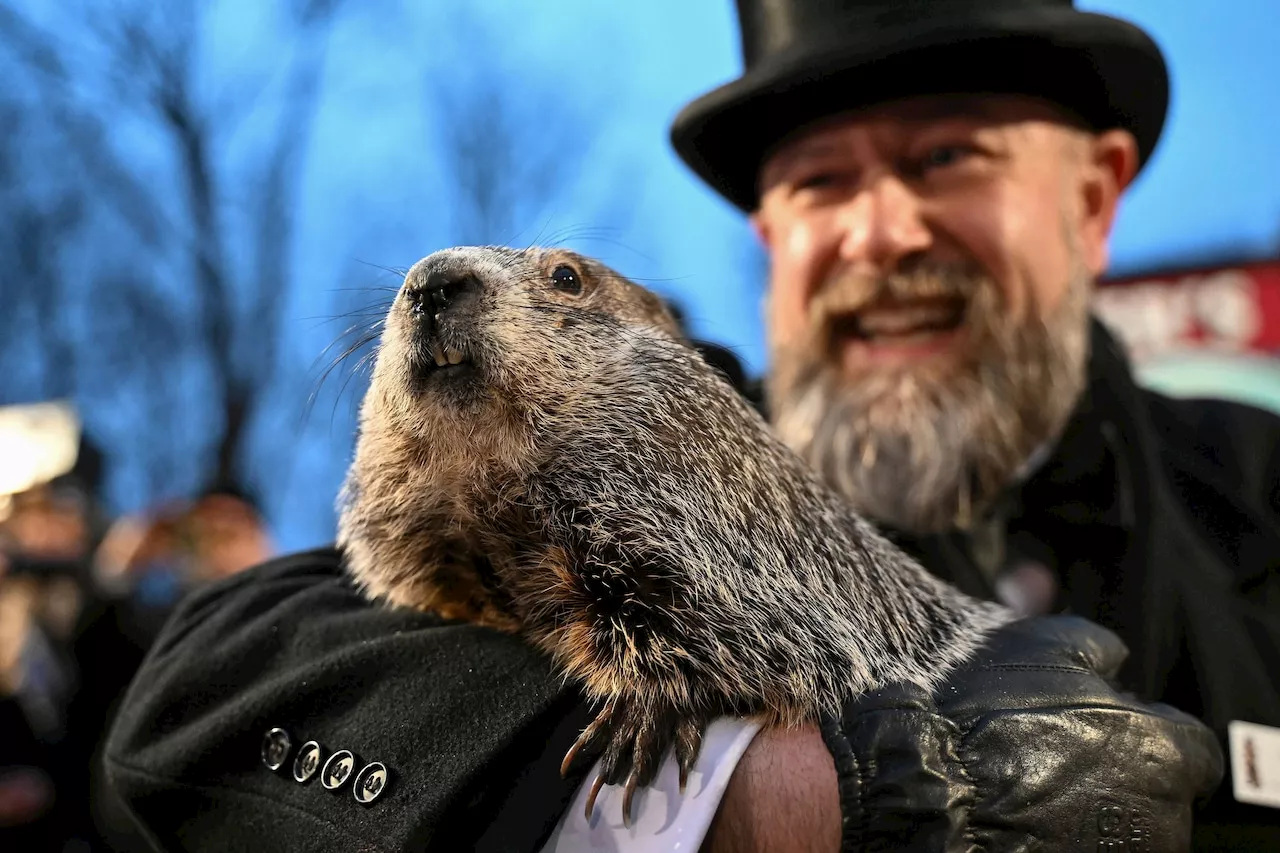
column 928, row 450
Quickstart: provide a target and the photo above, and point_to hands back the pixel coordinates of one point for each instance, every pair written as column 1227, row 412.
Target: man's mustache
column 847, row 293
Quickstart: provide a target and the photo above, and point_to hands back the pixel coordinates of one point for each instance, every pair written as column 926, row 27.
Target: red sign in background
column 1225, row 309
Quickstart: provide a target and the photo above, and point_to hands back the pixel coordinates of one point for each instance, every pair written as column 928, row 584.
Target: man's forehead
column 826, row 134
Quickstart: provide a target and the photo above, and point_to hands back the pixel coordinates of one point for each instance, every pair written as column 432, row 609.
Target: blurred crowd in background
column 82, row 595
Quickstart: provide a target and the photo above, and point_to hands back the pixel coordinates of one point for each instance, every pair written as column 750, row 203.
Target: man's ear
column 1111, row 161
column 759, row 228
column 763, row 234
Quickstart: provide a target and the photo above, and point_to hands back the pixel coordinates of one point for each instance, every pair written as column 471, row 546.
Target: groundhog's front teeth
column 453, row 356
column 437, row 352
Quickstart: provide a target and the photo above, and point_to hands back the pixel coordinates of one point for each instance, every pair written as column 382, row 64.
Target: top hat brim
column 1106, row 71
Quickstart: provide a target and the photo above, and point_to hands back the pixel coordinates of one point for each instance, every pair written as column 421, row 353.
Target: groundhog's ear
column 667, row 314
column 675, row 316
column 724, row 360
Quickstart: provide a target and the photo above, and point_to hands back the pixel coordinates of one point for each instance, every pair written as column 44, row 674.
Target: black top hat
column 806, row 59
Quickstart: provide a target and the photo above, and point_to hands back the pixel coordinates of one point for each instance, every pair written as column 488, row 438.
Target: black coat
column 1161, row 518
column 470, row 723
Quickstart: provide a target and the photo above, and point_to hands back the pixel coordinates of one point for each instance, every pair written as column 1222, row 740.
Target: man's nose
column 882, row 225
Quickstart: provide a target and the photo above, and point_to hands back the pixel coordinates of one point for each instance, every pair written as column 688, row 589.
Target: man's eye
column 815, row 181
column 943, row 156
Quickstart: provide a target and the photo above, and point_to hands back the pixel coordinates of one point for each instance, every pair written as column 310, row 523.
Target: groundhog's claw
column 628, row 793
column 687, row 745
column 635, row 739
column 586, row 742
column 595, row 792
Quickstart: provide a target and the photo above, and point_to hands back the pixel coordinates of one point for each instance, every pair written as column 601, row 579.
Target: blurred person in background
column 157, row 556
column 33, row 686
column 46, row 532
column 81, row 600
column 936, row 184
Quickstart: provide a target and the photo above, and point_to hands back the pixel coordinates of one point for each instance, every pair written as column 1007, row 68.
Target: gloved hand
column 1027, row 747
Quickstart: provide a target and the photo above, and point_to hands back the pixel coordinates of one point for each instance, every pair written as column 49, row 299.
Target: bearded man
column 935, row 183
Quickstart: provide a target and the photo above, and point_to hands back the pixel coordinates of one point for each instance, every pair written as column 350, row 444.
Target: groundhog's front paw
column 635, row 736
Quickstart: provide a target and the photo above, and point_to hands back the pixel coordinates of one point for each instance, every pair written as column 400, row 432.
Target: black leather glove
column 1027, row 748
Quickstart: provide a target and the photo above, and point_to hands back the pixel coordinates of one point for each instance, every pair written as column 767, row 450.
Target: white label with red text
column 1255, row 763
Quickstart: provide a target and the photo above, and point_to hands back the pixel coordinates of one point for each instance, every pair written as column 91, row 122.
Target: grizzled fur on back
column 597, row 486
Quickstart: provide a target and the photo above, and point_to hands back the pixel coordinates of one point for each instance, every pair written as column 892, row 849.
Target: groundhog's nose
column 445, row 287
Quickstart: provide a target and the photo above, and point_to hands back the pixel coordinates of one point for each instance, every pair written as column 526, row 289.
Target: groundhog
column 542, row 451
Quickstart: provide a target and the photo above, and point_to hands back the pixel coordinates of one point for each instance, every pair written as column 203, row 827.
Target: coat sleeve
column 470, row 724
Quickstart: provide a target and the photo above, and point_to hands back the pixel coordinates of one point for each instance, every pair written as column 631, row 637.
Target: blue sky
column 1213, row 185
column 1214, row 181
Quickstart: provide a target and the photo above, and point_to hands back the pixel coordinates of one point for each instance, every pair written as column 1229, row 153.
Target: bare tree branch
column 149, row 57
column 511, row 145
column 510, row 150
column 136, row 338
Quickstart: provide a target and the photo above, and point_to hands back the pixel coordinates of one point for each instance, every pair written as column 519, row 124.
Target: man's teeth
column 907, row 318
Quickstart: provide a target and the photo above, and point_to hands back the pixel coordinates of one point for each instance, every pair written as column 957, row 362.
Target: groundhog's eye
column 565, row 278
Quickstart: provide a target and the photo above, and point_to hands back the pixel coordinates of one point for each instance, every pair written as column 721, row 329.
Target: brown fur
column 586, row 479
column 421, row 504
